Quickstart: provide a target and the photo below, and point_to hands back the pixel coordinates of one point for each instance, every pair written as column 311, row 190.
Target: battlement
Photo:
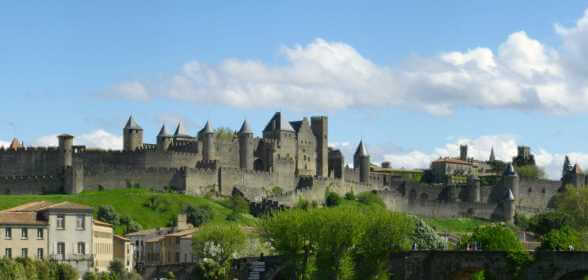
column 29, row 149
column 199, row 171
column 5, row 179
column 207, row 164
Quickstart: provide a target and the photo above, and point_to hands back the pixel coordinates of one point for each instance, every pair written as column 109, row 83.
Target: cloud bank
column 95, row 139
column 522, row 74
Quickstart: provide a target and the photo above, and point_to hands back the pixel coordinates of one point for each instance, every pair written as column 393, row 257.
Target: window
column 81, row 222
column 60, row 222
column 177, row 257
column 81, row 248
column 24, row 252
column 8, row 252
column 7, row 233
column 40, row 233
column 24, row 233
column 61, row 249
column 40, row 253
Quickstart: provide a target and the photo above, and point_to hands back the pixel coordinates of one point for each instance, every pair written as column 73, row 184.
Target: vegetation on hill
column 145, row 207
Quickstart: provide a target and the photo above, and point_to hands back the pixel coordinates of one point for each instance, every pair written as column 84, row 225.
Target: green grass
column 131, row 202
column 454, row 225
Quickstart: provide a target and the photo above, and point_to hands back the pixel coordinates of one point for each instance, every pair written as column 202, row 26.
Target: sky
column 412, row 79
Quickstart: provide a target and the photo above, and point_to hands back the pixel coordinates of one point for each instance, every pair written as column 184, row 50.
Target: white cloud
column 505, row 147
column 4, row 143
column 95, row 139
column 522, row 74
column 132, row 90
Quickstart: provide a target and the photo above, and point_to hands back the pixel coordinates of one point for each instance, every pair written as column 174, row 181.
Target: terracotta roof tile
column 20, row 218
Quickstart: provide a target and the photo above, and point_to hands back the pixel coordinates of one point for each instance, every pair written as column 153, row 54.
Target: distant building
column 103, row 245
column 124, row 250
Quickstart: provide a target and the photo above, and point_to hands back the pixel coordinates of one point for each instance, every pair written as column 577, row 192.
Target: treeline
column 29, row 269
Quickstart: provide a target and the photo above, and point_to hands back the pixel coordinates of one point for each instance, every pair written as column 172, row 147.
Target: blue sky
column 412, row 78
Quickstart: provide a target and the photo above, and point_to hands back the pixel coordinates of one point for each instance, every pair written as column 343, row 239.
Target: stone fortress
column 290, row 161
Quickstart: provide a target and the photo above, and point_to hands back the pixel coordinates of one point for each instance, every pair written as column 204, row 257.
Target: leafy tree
column 117, row 268
column 371, row 198
column 224, row 133
column 106, row 213
column 425, row 237
column 574, row 203
column 561, row 239
column 546, row 222
column 67, row 272
column 493, row 237
column 332, row 199
column 349, row 196
column 11, row 270
column 90, row 276
column 199, row 215
column 530, row 172
column 215, row 246
column 239, row 204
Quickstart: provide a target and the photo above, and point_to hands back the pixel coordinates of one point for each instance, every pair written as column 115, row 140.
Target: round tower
column 66, row 148
column 362, row 158
column 509, row 208
column 245, row 146
column 474, row 186
column 208, row 142
column 132, row 136
column 164, row 140
column 511, row 180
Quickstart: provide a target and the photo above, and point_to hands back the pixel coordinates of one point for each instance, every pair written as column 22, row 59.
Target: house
column 124, row 250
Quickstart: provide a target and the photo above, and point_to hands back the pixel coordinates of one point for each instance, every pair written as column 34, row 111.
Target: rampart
column 31, row 184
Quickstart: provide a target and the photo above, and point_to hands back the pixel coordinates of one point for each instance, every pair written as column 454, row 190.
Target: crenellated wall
column 29, row 161
column 31, row 184
column 125, row 177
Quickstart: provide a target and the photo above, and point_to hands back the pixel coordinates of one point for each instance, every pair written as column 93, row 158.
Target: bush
column 332, row 199
column 546, row 222
column 302, row 204
column 215, row 246
column 561, row 239
column 350, row 196
column 199, row 215
column 530, row 172
column 493, row 237
column 371, row 198
column 425, row 236
column 233, row 216
column 276, row 190
column 106, row 213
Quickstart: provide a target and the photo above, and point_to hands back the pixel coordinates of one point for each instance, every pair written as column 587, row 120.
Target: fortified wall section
column 126, row 177
column 30, row 161
column 104, row 160
column 31, row 184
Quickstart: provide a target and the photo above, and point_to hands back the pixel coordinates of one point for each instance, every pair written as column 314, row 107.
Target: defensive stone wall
column 201, row 181
column 30, row 161
column 227, row 152
column 126, row 177
column 31, row 184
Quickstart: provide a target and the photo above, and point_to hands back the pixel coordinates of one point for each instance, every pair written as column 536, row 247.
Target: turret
column 207, row 142
column 132, row 135
column 463, row 152
column 492, row 156
column 474, row 186
column 511, row 180
column 66, row 149
column 320, row 129
column 361, row 160
column 509, row 208
column 163, row 139
column 245, row 146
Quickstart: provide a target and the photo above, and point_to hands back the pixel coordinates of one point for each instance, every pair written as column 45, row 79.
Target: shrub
column 302, row 204
column 561, row 239
column 425, row 236
column 276, row 190
column 546, row 222
column 332, row 199
column 350, row 195
column 493, row 237
column 239, row 204
column 106, row 213
column 198, row 216
column 370, row 198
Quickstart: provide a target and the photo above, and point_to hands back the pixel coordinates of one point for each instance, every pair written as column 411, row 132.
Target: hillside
column 132, row 202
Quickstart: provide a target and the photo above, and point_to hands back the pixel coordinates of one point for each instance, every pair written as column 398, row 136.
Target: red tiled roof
column 20, row 218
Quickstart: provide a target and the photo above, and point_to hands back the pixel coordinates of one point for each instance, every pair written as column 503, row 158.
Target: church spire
column 492, row 157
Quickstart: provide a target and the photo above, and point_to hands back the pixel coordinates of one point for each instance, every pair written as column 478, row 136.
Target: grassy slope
column 454, row 225
column 130, row 202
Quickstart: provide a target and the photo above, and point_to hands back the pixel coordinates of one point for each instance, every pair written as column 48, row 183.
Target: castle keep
column 291, row 160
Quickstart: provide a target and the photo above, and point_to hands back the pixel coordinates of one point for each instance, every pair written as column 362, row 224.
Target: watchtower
column 66, row 148
column 245, row 146
column 320, row 129
column 207, row 142
column 132, row 135
column 361, row 160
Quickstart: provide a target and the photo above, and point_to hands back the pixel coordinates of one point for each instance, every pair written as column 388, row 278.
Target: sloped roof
column 510, row 195
column 181, row 131
column 278, row 123
column 20, row 218
column 132, row 124
column 163, row 132
column 296, row 125
column 361, row 150
column 453, row 160
column 120, row 237
column 509, row 170
column 15, row 144
column 66, row 205
column 245, row 129
column 28, row 207
column 577, row 169
column 101, row 223
column 207, row 128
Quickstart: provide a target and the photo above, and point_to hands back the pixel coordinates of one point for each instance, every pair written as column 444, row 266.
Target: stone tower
column 320, row 128
column 511, row 180
column 207, row 142
column 492, row 156
column 245, row 146
column 361, row 160
column 163, row 139
column 132, row 136
column 509, row 208
column 66, row 148
column 474, row 186
column 463, row 152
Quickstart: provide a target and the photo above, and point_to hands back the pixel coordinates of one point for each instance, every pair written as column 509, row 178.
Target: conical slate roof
column 361, row 150
column 510, row 171
column 132, row 124
column 207, row 128
column 180, row 130
column 278, row 123
column 492, row 157
column 245, row 129
column 163, row 132
column 510, row 195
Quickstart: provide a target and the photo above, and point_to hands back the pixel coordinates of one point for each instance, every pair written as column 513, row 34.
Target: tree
column 106, row 213
column 117, row 268
column 493, row 237
column 530, row 172
column 567, row 167
column 224, row 133
column 332, row 199
column 215, row 246
column 546, row 222
column 560, row 240
column 574, row 203
column 425, row 237
column 198, row 216
column 67, row 272
column 11, row 270
column 349, row 196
